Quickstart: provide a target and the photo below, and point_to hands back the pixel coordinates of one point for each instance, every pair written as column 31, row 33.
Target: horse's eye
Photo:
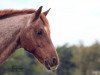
column 40, row 33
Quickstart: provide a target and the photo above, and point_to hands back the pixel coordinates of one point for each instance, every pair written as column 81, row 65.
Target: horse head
column 35, row 38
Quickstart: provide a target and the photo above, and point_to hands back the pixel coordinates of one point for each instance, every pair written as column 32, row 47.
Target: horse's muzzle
column 51, row 65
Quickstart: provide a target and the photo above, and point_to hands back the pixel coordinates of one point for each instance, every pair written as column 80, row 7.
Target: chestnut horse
column 28, row 29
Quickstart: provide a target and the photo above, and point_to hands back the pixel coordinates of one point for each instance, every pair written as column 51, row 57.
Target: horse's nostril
column 54, row 61
column 51, row 64
column 47, row 65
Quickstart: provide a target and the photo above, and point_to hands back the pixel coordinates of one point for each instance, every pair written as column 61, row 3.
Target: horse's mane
column 6, row 13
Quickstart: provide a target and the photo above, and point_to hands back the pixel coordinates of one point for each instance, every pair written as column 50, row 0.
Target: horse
column 28, row 29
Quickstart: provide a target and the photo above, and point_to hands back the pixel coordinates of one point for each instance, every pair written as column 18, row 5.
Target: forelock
column 46, row 23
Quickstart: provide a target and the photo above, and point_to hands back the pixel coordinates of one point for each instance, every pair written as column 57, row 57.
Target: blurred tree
column 90, row 59
column 66, row 66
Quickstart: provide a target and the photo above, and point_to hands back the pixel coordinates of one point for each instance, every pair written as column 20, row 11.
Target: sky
column 71, row 21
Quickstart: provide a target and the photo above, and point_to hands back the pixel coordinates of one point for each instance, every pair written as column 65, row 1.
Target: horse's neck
column 9, row 28
column 9, row 34
column 9, row 50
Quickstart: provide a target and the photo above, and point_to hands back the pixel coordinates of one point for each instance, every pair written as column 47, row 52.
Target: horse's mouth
column 49, row 67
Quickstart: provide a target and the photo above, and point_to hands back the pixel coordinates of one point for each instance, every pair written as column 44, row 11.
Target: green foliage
column 74, row 60
column 66, row 64
column 79, row 60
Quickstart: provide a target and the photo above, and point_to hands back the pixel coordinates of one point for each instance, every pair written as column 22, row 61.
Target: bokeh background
column 75, row 33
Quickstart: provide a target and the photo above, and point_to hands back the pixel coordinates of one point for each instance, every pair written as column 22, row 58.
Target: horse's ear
column 46, row 12
column 37, row 13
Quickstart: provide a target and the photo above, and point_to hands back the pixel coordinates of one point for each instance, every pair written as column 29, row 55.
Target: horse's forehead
column 45, row 23
column 42, row 23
